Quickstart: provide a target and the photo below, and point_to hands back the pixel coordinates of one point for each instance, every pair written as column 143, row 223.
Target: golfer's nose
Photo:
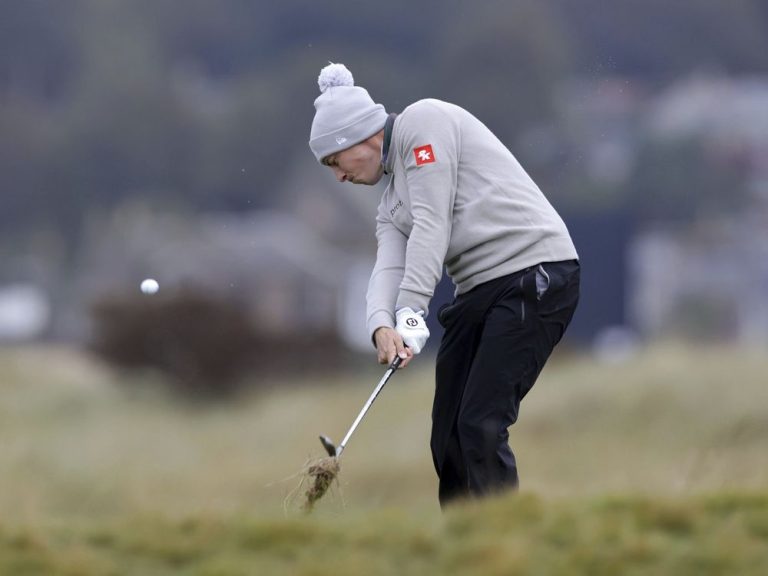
column 340, row 175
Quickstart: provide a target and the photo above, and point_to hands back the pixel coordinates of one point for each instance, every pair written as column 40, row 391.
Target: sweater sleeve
column 429, row 146
column 387, row 274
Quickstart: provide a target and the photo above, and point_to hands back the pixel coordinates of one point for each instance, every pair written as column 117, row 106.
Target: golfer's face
column 360, row 164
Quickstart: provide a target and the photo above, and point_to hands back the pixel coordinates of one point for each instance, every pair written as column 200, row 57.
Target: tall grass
column 512, row 535
column 620, row 465
column 77, row 441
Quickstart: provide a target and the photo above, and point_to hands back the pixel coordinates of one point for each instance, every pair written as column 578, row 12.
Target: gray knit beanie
column 345, row 114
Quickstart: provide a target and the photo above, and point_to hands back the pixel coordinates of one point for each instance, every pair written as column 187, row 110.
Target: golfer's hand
column 412, row 329
column 389, row 344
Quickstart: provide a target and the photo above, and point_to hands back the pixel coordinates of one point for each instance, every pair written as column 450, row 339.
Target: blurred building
column 285, row 276
column 709, row 278
column 705, row 284
column 24, row 312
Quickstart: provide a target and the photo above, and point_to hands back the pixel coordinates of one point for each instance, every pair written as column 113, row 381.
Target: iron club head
column 328, row 445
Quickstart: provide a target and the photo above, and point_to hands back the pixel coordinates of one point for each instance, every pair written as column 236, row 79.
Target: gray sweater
column 459, row 198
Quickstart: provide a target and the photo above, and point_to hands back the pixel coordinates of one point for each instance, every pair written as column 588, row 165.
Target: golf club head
column 328, row 445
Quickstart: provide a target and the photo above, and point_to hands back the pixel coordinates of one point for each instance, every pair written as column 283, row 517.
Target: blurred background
column 149, row 139
column 168, row 140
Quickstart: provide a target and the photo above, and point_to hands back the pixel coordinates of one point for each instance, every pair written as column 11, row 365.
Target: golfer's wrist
column 376, row 334
column 380, row 319
column 378, row 331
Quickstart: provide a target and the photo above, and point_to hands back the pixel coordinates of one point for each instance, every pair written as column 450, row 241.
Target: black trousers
column 497, row 338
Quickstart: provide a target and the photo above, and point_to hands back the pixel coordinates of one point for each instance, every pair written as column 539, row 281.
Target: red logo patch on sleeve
column 424, row 154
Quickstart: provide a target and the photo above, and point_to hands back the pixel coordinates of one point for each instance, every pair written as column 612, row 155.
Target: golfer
column 456, row 198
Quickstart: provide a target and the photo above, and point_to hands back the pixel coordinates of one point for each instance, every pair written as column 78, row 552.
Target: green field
column 658, row 465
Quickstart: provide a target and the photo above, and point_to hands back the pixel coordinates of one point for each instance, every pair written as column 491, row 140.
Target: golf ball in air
column 150, row 286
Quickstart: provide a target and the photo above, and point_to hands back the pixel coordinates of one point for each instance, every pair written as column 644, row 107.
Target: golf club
column 337, row 450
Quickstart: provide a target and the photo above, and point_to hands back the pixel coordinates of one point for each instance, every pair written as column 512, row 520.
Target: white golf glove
column 412, row 329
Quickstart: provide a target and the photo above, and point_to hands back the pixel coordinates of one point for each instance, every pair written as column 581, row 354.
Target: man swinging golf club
column 456, row 198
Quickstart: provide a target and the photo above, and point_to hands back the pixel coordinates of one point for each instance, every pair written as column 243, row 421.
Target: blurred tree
column 501, row 60
column 659, row 40
column 207, row 104
column 37, row 52
column 206, row 345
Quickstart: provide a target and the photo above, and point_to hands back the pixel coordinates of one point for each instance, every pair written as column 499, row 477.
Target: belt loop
column 529, row 285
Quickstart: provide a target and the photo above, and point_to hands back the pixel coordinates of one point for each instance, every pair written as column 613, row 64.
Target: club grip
column 395, row 363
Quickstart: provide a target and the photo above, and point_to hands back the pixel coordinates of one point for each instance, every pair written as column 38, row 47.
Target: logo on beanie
column 424, row 154
column 340, row 140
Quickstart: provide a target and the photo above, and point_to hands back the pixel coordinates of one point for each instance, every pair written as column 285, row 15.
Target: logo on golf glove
column 412, row 329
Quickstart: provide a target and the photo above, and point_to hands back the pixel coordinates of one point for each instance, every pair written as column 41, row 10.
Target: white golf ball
column 150, row 286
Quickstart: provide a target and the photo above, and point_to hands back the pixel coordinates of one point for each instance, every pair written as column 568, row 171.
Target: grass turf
column 515, row 534
column 102, row 474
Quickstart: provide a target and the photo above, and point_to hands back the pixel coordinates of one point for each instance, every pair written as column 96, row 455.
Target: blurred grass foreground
column 653, row 465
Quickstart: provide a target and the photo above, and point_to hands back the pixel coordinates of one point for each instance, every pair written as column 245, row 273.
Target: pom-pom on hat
column 345, row 114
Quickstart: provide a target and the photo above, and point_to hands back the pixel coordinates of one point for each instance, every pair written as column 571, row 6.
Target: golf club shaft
column 379, row 386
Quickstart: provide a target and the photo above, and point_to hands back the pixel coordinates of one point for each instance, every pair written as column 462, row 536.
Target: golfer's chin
column 369, row 180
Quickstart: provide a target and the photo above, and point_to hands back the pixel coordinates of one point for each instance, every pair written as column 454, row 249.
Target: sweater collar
column 387, row 159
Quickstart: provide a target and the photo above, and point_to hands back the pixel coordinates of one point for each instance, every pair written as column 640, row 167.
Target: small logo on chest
column 395, row 208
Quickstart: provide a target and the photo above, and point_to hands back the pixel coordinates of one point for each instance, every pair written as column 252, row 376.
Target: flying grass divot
column 319, row 475
column 316, row 478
